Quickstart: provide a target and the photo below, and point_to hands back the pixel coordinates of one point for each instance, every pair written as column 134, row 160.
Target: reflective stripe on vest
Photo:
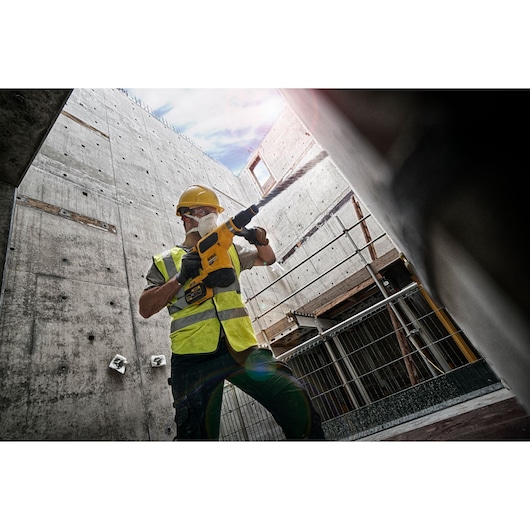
column 196, row 329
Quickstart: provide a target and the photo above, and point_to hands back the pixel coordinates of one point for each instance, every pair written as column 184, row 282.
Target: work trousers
column 197, row 382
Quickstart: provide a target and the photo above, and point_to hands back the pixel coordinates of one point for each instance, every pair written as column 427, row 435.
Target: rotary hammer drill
column 216, row 265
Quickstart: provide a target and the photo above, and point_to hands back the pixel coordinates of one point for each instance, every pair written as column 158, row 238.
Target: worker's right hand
column 189, row 268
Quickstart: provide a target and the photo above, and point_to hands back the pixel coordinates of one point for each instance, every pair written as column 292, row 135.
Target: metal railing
column 359, row 363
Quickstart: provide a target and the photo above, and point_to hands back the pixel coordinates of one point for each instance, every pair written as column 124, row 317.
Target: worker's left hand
column 256, row 236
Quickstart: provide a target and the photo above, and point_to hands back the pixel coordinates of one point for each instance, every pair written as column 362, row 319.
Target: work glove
column 255, row 236
column 189, row 268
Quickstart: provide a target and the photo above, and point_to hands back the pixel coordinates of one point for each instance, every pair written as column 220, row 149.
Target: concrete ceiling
column 26, row 117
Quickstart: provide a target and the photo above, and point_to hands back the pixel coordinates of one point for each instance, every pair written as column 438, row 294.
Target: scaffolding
column 362, row 372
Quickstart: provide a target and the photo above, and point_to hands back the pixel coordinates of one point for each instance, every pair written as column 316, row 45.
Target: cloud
column 228, row 124
column 164, row 109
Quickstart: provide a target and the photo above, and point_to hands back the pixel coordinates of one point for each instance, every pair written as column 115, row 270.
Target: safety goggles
column 200, row 211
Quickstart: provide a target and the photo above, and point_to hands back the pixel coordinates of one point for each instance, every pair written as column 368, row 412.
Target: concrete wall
column 97, row 203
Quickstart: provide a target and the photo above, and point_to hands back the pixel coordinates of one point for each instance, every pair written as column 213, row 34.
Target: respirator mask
column 205, row 224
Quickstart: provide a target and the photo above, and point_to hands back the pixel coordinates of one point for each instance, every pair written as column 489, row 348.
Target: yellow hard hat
column 195, row 196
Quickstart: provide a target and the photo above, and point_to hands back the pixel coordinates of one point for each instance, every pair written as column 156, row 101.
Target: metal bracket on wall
column 118, row 363
column 158, row 360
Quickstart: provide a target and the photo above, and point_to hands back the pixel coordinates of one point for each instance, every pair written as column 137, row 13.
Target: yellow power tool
column 217, row 269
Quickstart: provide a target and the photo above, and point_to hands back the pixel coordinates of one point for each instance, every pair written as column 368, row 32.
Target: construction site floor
column 493, row 417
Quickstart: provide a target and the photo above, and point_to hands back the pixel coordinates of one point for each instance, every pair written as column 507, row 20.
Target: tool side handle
column 243, row 218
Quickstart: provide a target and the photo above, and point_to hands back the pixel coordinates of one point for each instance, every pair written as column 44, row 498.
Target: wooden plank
column 505, row 420
column 67, row 214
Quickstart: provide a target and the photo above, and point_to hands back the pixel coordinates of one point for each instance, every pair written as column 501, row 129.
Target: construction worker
column 214, row 341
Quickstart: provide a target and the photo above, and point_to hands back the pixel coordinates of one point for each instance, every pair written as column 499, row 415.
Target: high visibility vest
column 196, row 328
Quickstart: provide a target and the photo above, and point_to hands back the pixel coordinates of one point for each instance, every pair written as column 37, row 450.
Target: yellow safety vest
column 196, row 328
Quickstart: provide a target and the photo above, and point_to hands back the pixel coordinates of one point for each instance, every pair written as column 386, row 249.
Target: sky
column 227, row 124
